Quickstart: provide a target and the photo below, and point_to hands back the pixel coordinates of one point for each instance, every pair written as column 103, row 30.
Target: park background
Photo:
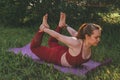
column 20, row 19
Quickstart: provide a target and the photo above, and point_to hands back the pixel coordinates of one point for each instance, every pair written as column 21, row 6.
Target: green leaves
column 30, row 12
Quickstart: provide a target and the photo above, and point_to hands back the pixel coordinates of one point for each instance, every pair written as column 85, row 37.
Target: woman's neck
column 86, row 44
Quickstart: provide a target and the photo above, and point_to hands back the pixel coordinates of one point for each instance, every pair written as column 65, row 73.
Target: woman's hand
column 42, row 27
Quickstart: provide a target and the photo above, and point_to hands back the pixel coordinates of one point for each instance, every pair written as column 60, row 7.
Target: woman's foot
column 62, row 22
column 44, row 23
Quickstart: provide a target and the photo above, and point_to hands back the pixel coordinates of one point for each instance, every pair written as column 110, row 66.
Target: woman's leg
column 52, row 42
column 40, row 51
column 36, row 41
column 47, row 53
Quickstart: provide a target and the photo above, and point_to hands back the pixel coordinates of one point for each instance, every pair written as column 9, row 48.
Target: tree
column 31, row 11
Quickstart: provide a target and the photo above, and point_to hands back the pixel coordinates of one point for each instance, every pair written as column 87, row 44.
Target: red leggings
column 52, row 53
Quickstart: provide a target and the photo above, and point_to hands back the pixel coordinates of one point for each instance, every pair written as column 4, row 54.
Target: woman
column 77, row 49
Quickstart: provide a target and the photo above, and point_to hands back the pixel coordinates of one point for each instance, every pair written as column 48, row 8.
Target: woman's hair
column 87, row 28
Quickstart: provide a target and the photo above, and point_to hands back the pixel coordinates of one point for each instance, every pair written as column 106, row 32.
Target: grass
column 18, row 67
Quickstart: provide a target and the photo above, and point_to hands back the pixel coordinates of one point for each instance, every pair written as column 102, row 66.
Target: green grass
column 18, row 67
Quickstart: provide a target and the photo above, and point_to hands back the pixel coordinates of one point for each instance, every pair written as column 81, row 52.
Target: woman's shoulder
column 77, row 42
column 74, row 38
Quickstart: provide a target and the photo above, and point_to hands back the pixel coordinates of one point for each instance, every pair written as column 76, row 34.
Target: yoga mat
column 83, row 70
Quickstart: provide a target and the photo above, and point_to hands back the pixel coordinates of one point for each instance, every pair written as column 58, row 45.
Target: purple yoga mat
column 86, row 67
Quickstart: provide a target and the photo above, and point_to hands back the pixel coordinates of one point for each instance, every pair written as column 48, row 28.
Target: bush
column 30, row 12
column 13, row 11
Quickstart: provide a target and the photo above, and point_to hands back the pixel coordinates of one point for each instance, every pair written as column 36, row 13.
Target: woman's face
column 94, row 39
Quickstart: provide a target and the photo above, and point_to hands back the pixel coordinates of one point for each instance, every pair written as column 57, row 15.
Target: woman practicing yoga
column 77, row 49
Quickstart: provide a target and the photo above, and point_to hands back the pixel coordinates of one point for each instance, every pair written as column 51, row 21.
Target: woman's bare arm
column 72, row 31
column 69, row 41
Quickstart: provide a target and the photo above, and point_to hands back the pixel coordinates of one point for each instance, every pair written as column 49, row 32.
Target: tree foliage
column 16, row 12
